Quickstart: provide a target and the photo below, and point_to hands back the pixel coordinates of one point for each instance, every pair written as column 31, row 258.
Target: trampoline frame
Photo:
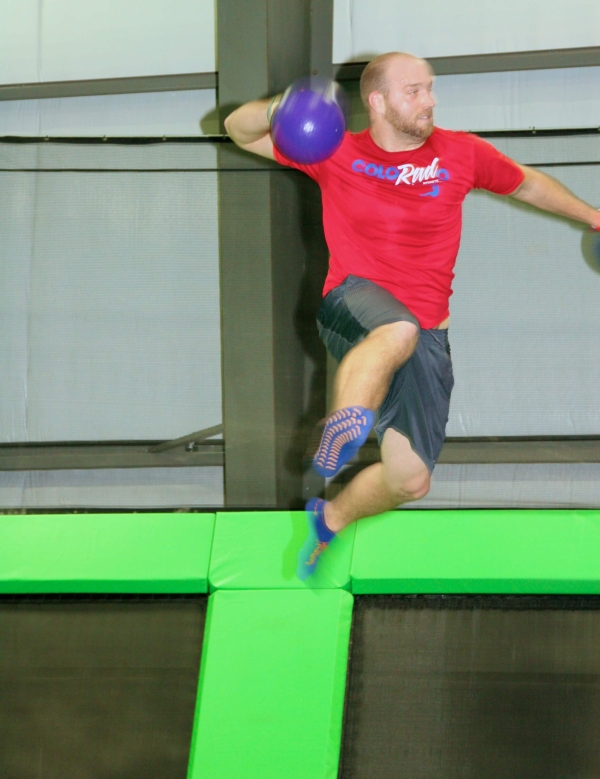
column 274, row 660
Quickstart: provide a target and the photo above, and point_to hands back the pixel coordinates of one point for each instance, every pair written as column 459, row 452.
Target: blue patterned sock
column 345, row 432
column 319, row 536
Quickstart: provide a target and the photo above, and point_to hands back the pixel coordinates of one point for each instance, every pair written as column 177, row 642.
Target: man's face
column 409, row 100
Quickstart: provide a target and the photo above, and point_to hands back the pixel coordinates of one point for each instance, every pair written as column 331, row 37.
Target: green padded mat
column 105, row 553
column 516, row 551
column 272, row 685
column 258, row 550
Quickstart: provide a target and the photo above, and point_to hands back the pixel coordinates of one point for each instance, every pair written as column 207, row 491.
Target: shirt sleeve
column 311, row 170
column 494, row 171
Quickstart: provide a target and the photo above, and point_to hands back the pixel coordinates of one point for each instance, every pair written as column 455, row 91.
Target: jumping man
column 392, row 203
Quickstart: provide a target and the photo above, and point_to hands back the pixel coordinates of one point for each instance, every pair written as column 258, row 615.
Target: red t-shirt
column 395, row 217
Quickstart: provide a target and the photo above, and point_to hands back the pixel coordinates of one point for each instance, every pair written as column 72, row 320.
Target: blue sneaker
column 345, row 432
column 319, row 536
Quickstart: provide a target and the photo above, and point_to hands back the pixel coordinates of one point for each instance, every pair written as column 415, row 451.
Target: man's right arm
column 249, row 126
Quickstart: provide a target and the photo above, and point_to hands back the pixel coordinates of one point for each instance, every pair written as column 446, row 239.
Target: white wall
column 20, row 41
column 65, row 40
column 438, row 28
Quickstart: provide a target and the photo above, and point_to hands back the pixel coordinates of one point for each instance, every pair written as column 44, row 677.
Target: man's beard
column 406, row 126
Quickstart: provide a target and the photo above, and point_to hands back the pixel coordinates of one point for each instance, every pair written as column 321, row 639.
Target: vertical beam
column 273, row 259
column 247, row 331
column 321, row 38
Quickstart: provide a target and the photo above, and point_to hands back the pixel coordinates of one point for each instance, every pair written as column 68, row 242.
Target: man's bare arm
column 545, row 192
column 249, row 126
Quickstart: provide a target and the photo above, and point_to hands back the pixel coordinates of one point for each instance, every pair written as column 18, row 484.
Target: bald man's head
column 374, row 77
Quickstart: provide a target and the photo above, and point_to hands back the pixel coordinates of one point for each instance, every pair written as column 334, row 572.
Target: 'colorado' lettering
column 402, row 174
column 374, row 170
column 409, row 174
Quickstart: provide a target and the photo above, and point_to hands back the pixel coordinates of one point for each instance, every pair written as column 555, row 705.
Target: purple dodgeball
column 308, row 125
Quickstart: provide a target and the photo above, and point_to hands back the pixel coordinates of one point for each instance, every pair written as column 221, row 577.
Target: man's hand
column 547, row 193
column 249, row 126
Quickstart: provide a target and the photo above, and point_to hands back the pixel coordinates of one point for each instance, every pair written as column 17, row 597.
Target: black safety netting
column 464, row 687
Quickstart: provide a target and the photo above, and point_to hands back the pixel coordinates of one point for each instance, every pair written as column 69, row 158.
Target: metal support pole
column 273, row 258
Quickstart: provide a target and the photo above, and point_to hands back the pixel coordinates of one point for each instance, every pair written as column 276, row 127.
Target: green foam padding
column 258, row 550
column 272, row 683
column 105, row 553
column 516, row 551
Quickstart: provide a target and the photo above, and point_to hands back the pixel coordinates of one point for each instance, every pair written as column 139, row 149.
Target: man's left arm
column 545, row 192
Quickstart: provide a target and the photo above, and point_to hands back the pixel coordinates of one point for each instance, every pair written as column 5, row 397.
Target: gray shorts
column 418, row 400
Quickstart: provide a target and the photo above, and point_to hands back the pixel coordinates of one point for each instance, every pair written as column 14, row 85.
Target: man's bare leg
column 364, row 375
column 362, row 382
column 400, row 477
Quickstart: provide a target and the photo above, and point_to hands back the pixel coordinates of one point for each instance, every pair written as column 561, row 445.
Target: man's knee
column 413, row 487
column 417, row 486
column 400, row 339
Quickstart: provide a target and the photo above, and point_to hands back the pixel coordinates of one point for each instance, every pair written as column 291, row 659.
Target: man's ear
column 377, row 102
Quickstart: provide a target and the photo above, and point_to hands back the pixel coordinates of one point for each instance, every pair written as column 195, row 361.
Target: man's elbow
column 520, row 191
column 524, row 188
column 232, row 128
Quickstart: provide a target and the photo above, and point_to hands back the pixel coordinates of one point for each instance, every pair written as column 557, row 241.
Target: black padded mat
column 101, row 688
column 473, row 688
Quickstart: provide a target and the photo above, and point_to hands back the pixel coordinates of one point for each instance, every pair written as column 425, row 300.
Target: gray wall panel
column 189, row 113
column 524, row 314
column 551, row 149
column 124, row 337
column 157, row 155
column 17, row 198
column 514, row 486
column 520, row 100
column 110, row 296
column 128, row 488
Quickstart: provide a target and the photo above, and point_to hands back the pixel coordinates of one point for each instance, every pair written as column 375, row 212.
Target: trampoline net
column 98, row 687
column 454, row 687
